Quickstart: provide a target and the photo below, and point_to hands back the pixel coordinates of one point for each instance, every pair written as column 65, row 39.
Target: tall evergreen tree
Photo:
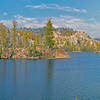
column 48, row 36
column 14, row 34
column 3, row 37
column 20, row 43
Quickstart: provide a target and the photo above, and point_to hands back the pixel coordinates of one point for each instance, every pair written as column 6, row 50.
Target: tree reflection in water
column 25, row 70
column 14, row 72
column 3, row 69
column 49, row 80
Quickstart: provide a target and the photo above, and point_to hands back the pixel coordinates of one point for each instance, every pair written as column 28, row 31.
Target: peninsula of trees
column 49, row 43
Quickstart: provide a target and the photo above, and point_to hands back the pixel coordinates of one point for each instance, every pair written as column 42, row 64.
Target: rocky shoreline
column 19, row 53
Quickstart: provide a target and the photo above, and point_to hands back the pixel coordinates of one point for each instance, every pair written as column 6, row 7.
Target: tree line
column 19, row 38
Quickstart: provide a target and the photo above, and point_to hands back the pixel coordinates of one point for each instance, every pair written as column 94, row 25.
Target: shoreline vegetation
column 19, row 53
column 49, row 44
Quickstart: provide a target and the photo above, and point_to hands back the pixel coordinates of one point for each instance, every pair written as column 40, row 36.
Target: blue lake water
column 51, row 79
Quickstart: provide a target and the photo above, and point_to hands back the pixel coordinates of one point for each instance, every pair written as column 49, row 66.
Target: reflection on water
column 3, row 71
column 49, row 70
column 26, row 69
column 51, row 79
column 49, row 75
column 14, row 71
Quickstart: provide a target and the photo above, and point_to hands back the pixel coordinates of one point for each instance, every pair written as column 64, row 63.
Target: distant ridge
column 98, row 39
column 40, row 30
column 3, row 27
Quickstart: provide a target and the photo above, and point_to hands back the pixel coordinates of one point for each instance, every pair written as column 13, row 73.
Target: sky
column 76, row 14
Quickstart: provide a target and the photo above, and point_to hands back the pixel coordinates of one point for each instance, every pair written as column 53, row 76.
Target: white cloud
column 89, row 25
column 7, row 23
column 28, row 22
column 5, row 14
column 56, row 6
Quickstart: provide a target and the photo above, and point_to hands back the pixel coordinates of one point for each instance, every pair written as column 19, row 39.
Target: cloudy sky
column 76, row 14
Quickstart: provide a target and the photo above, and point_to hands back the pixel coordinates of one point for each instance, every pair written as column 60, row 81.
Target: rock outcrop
column 19, row 53
column 60, row 54
column 76, row 41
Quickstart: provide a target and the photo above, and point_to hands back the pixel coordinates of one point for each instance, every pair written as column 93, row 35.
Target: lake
column 51, row 79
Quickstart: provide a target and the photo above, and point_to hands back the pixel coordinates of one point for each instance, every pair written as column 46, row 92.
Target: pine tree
column 48, row 36
column 20, row 43
column 3, row 37
column 25, row 38
column 14, row 34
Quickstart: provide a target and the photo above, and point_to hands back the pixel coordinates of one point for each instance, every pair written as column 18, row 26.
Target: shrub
column 76, row 99
column 0, row 51
column 37, row 54
column 30, row 53
column 34, row 53
column 12, row 54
